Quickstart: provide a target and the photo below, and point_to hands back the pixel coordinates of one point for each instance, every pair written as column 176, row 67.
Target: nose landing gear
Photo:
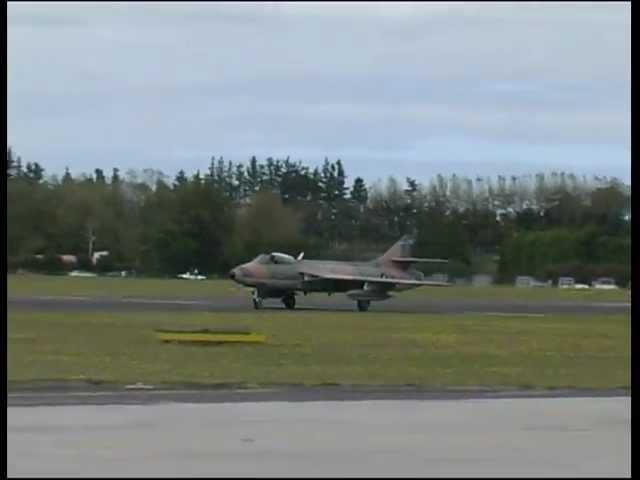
column 363, row 305
column 257, row 300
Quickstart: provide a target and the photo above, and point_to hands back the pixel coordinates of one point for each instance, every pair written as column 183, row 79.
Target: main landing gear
column 289, row 301
column 363, row 305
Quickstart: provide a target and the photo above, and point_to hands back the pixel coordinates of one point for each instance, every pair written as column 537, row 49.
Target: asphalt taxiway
column 479, row 437
column 317, row 302
column 81, row 393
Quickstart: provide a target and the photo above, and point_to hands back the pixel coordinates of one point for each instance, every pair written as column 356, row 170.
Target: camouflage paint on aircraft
column 278, row 275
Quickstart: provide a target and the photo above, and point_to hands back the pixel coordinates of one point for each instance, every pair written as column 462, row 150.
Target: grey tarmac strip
column 57, row 395
column 316, row 303
column 524, row 437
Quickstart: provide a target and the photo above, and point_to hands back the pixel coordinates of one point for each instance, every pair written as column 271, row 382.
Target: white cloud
column 316, row 77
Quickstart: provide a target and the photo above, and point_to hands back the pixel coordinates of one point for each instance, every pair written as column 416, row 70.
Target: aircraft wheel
column 289, row 301
column 257, row 301
column 363, row 305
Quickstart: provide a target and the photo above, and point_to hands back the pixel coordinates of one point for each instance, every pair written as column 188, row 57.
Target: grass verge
column 326, row 348
column 33, row 285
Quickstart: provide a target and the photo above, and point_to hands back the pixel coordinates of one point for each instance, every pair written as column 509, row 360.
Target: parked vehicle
column 80, row 273
column 569, row 282
column 192, row 275
column 604, row 283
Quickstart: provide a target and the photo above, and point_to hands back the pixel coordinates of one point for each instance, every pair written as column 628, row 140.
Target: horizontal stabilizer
column 309, row 277
column 418, row 260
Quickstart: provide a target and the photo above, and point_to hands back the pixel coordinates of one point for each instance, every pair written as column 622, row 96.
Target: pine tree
column 271, row 174
column 455, row 193
column 540, row 191
column 220, row 178
column 211, row 173
column 18, row 167
column 229, row 184
column 11, row 163
column 328, row 181
column 253, row 176
column 240, row 182
column 359, row 193
column 412, row 188
column 468, row 194
column 34, row 172
column 115, row 177
column 262, row 174
column 100, row 178
column 278, row 172
column 501, row 194
column 67, row 178
column 316, row 182
column 341, row 181
column 181, row 179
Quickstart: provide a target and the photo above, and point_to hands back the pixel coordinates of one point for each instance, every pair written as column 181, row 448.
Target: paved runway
column 472, row 437
column 317, row 302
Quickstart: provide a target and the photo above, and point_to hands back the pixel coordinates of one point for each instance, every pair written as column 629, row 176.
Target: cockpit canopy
column 274, row 258
column 262, row 259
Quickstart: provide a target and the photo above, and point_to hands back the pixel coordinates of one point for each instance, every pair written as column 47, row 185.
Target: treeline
column 542, row 225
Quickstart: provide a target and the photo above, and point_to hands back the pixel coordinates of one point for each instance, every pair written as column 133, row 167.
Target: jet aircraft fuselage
column 277, row 275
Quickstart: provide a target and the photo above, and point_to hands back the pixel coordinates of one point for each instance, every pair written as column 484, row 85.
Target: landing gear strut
column 363, row 305
column 289, row 301
column 257, row 300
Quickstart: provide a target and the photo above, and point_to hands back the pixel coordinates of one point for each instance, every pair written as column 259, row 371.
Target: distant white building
column 523, row 281
column 481, row 280
column 438, row 277
column 566, row 282
column 528, row 282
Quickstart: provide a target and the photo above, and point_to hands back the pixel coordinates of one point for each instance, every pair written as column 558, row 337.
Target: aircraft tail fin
column 400, row 254
column 401, row 249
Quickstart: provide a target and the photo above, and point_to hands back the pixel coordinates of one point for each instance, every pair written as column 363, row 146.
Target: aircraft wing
column 418, row 260
column 373, row 280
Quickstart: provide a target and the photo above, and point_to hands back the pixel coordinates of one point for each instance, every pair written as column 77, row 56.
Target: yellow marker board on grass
column 210, row 336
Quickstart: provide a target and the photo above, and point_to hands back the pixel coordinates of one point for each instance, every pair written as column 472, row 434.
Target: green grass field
column 325, row 348
column 30, row 284
column 27, row 285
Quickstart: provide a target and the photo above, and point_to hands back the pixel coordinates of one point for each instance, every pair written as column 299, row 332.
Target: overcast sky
column 409, row 89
